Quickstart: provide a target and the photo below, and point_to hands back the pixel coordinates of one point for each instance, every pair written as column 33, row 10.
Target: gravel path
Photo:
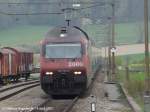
column 102, row 103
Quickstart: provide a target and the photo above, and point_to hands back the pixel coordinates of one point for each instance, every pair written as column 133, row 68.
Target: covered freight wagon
column 8, row 65
column 15, row 62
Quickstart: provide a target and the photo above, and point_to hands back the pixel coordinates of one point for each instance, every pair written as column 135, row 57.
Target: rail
column 13, row 90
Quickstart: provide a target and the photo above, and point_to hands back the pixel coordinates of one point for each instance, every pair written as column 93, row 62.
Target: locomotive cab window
column 65, row 50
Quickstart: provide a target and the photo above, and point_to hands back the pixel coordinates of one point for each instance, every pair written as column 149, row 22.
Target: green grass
column 22, row 35
column 132, row 58
column 138, row 76
column 135, row 86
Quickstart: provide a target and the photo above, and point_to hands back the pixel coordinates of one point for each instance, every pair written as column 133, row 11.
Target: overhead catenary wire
column 55, row 13
column 42, row 13
column 46, row 3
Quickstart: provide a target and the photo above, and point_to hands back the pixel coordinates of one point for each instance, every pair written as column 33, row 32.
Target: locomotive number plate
column 75, row 64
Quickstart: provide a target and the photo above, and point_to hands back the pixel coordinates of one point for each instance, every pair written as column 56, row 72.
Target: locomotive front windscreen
column 65, row 50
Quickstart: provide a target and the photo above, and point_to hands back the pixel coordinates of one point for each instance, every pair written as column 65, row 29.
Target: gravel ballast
column 103, row 103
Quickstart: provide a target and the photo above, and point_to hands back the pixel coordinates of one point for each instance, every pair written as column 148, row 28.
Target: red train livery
column 68, row 61
column 15, row 63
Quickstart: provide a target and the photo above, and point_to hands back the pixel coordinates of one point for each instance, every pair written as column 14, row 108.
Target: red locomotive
column 68, row 61
column 15, row 63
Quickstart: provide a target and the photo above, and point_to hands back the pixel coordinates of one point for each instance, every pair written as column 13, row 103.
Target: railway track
column 9, row 91
column 56, row 105
column 61, row 105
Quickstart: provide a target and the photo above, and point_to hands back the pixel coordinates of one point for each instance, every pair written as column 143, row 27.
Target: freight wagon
column 15, row 63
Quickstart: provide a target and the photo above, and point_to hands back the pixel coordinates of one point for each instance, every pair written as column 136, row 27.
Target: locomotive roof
column 70, row 32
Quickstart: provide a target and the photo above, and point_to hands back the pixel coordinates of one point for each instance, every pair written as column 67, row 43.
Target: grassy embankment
column 135, row 84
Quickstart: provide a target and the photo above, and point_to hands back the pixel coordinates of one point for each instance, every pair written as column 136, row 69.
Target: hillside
column 23, row 35
column 32, row 34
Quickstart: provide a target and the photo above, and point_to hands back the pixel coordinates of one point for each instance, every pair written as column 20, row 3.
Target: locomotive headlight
column 77, row 72
column 49, row 73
